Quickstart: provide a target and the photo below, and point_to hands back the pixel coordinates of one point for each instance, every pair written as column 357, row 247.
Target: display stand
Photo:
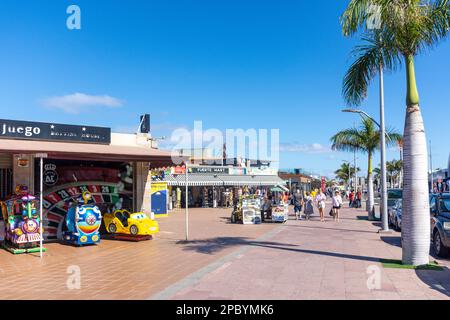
column 280, row 213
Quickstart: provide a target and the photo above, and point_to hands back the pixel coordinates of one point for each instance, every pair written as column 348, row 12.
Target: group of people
column 354, row 199
column 311, row 200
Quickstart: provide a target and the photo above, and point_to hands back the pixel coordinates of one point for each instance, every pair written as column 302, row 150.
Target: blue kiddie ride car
column 83, row 222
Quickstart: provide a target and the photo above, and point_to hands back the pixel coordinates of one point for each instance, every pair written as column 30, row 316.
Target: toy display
column 136, row 225
column 22, row 222
column 83, row 222
column 280, row 213
column 247, row 211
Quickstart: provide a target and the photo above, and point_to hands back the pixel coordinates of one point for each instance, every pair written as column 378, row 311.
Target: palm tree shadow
column 393, row 241
column 436, row 280
column 214, row 245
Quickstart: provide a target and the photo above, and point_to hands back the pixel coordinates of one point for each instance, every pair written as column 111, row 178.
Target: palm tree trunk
column 371, row 206
column 416, row 211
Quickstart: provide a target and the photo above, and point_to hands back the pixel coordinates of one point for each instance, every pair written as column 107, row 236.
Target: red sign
column 324, row 184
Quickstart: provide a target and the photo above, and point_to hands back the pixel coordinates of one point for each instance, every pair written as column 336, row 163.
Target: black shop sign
column 26, row 130
column 211, row 170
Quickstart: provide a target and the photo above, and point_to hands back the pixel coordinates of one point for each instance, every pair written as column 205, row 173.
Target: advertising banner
column 159, row 198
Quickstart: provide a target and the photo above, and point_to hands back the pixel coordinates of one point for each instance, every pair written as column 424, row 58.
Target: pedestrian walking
column 309, row 207
column 358, row 199
column 298, row 204
column 351, row 198
column 337, row 205
column 320, row 202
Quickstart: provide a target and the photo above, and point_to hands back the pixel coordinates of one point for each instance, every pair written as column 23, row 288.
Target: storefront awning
column 194, row 180
column 263, row 181
column 81, row 151
column 223, row 180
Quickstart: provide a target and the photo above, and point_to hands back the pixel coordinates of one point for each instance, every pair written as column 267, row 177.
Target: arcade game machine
column 83, row 222
column 22, row 222
column 124, row 225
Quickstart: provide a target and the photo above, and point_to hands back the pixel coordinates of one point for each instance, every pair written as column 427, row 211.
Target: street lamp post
column 384, row 217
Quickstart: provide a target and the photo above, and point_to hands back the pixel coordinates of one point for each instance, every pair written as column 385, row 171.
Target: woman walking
column 337, row 205
column 320, row 201
column 309, row 208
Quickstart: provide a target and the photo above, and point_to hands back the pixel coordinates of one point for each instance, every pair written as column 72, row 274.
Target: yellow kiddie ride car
column 124, row 222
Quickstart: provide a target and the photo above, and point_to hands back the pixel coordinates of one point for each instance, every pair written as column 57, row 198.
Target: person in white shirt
column 320, row 201
column 337, row 204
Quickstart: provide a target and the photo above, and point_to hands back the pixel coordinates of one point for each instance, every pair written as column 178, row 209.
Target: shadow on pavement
column 436, row 280
column 211, row 246
column 336, row 229
column 393, row 241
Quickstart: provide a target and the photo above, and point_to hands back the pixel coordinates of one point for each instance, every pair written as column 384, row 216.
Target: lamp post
column 431, row 170
column 383, row 206
column 187, row 203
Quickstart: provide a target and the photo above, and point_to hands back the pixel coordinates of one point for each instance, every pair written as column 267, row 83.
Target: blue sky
column 231, row 64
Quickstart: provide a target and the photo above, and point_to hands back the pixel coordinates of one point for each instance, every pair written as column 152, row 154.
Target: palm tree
column 343, row 172
column 407, row 28
column 394, row 169
column 367, row 140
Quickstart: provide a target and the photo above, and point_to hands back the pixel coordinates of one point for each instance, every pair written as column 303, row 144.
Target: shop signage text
column 11, row 129
column 213, row 170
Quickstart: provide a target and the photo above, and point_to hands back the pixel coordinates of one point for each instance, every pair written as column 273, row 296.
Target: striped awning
column 223, row 180
column 194, row 180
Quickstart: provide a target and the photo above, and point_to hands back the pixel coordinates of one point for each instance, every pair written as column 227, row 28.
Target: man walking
column 298, row 204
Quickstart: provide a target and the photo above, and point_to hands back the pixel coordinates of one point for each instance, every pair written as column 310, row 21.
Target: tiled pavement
column 298, row 260
column 121, row 270
column 314, row 260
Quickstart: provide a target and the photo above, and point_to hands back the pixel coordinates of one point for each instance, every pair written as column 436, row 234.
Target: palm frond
column 377, row 50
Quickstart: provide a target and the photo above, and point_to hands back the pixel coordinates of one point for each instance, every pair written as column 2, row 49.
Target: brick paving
column 298, row 260
column 314, row 260
column 118, row 269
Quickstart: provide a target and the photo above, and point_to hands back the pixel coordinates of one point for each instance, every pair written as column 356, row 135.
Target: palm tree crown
column 408, row 27
column 364, row 139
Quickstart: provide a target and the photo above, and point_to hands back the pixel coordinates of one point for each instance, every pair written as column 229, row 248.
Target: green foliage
column 408, row 28
column 363, row 139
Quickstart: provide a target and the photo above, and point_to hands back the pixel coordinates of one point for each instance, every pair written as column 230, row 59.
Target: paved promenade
column 297, row 260
column 312, row 260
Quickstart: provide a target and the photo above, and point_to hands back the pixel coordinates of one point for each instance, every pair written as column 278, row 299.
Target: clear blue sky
column 231, row 64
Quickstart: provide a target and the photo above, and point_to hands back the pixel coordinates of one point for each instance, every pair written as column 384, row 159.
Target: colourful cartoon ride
column 126, row 223
column 83, row 222
column 22, row 222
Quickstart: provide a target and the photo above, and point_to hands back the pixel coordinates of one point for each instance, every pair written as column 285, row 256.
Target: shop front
column 212, row 187
column 113, row 168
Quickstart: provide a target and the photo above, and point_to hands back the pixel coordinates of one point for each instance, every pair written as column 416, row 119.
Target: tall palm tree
column 367, row 140
column 394, row 169
column 345, row 172
column 406, row 29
